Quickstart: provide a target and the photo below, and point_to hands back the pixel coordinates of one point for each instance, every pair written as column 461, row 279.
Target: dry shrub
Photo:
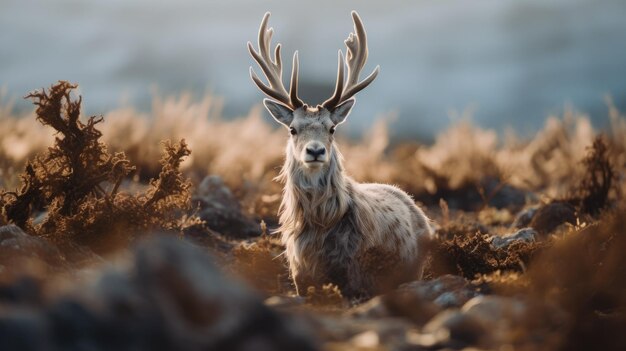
column 465, row 251
column 583, row 273
column 592, row 194
column 366, row 159
column 457, row 155
column 21, row 137
column 247, row 152
column 238, row 150
column 549, row 161
column 77, row 183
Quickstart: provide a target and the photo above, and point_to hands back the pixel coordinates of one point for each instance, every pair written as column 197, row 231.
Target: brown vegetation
column 75, row 184
column 566, row 181
column 583, row 274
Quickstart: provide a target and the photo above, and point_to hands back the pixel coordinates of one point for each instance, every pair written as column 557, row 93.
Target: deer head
column 311, row 128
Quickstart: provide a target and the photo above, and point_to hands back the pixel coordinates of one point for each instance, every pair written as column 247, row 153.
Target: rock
column 503, row 195
column 523, row 235
column 221, row 210
column 16, row 245
column 484, row 321
column 472, row 196
column 170, row 296
column 523, row 219
column 379, row 334
column 373, row 308
column 445, row 291
column 418, row 301
column 489, row 321
column 454, row 329
column 407, row 305
column 550, row 216
column 22, row 290
column 492, row 308
column 499, row 315
column 22, row 329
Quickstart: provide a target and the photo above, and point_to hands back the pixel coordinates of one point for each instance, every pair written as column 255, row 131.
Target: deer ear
column 341, row 112
column 281, row 113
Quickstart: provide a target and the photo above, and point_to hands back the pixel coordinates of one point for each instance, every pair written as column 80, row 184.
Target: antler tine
column 272, row 69
column 293, row 85
column 356, row 56
column 334, row 100
column 357, row 50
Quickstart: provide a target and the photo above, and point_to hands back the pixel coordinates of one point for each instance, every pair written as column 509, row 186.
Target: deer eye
column 332, row 130
column 292, row 130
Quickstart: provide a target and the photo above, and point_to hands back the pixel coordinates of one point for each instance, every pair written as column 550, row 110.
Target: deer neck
column 314, row 201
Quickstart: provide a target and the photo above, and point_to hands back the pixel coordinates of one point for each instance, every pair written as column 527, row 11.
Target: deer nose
column 315, row 152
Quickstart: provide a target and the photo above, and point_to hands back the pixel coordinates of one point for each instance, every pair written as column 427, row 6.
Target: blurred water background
column 508, row 63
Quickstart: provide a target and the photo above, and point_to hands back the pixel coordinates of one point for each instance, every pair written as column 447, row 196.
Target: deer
column 364, row 238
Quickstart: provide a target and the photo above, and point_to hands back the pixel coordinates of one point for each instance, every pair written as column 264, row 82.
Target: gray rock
column 418, row 301
column 452, row 328
column 445, row 291
column 524, row 217
column 170, row 296
column 502, row 195
column 373, row 308
column 527, row 235
column 551, row 216
column 15, row 244
column 484, row 321
column 490, row 321
column 221, row 210
column 499, row 315
column 22, row 329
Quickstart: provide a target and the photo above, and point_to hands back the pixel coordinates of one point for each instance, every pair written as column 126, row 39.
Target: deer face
column 311, row 129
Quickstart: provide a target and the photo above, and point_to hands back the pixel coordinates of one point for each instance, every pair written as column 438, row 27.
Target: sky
column 509, row 63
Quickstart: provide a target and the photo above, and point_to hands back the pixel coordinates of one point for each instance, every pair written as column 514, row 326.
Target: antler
column 273, row 69
column 355, row 60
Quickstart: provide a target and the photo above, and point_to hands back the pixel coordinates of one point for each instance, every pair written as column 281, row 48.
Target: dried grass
column 77, row 191
column 583, row 274
column 461, row 157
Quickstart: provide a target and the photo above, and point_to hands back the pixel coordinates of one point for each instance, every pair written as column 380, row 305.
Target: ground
column 104, row 244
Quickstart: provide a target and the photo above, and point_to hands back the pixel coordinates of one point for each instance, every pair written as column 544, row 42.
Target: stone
column 499, row 315
column 502, row 195
column 15, row 244
column 22, row 329
column 445, row 291
column 526, row 235
column 418, row 301
column 524, row 217
column 454, row 329
column 550, row 216
column 221, row 210
column 168, row 295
